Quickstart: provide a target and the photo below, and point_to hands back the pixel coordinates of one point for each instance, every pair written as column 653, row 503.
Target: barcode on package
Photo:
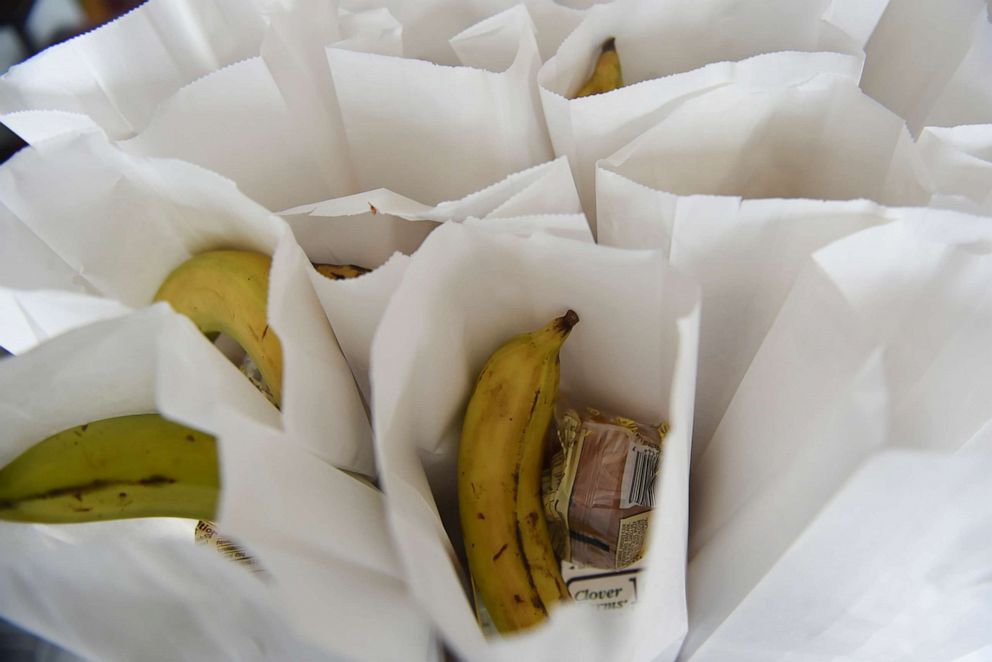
column 639, row 473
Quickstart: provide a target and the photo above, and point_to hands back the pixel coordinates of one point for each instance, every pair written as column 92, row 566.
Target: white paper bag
column 369, row 229
column 243, row 119
column 119, row 73
column 672, row 50
column 331, row 579
column 436, row 133
column 880, row 346
column 893, row 567
column 463, row 294
column 928, row 62
column 237, row 122
column 707, row 185
column 295, row 125
column 430, row 25
column 960, row 163
column 121, row 591
column 858, row 18
column 119, row 224
column 31, row 317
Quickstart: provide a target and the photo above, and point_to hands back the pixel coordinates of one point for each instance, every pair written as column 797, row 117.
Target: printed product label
column 630, row 542
column 614, row 589
column 639, row 473
column 207, row 534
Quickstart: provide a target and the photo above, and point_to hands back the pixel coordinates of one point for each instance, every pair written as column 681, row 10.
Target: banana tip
column 568, row 320
column 610, row 44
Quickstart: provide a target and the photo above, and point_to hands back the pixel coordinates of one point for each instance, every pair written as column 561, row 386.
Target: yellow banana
column 606, row 75
column 115, row 468
column 206, row 531
column 340, row 271
column 510, row 557
column 227, row 292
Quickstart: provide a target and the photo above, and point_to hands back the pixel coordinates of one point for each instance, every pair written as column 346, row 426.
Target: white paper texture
column 367, row 228
column 960, row 162
column 119, row 73
column 897, row 566
column 128, row 595
column 241, row 117
column 669, row 51
column 843, row 421
column 355, row 307
column 430, row 25
column 821, row 138
column 301, row 123
column 316, row 542
column 463, row 294
column 928, row 62
column 712, row 185
column 237, row 122
column 880, row 345
column 31, row 317
column 857, row 18
column 37, row 126
column 434, row 133
column 120, row 224
column 372, row 31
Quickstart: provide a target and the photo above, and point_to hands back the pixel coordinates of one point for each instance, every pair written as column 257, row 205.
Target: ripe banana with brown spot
column 606, row 75
column 513, row 565
column 340, row 271
column 227, row 291
column 115, row 468
column 206, row 531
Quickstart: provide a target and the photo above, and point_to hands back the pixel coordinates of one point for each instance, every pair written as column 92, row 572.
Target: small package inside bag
column 599, row 490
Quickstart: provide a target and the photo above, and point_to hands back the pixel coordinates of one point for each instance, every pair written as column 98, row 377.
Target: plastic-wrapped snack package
column 466, row 291
column 330, row 577
column 739, row 186
column 829, row 480
column 121, row 224
column 601, row 485
column 599, row 489
column 673, row 50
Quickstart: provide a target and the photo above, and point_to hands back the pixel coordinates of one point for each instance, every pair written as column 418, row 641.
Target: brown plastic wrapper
column 599, row 489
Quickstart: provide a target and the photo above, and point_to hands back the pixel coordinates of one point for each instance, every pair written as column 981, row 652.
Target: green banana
column 507, row 543
column 227, row 292
column 115, row 468
column 145, row 465
column 606, row 75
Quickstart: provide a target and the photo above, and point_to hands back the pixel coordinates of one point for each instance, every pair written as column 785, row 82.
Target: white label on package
column 604, row 589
